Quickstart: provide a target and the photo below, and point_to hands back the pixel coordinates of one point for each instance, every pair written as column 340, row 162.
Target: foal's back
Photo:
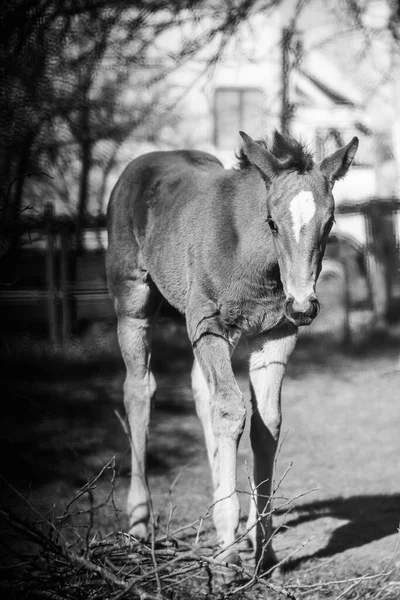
column 156, row 184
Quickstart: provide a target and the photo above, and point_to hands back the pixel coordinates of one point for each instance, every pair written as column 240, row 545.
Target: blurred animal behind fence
column 237, row 252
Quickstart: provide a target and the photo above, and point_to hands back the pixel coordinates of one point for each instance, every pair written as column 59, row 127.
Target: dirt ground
column 340, row 447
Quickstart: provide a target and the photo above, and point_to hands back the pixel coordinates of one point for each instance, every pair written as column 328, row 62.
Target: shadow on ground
column 369, row 518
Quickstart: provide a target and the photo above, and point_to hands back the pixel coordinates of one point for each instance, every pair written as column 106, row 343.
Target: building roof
column 318, row 81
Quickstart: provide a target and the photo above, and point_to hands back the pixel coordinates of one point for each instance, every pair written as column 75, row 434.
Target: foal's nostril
column 289, row 308
column 288, row 304
column 315, row 307
column 312, row 309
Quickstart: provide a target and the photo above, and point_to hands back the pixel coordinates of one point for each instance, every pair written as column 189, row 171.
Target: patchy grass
column 340, row 443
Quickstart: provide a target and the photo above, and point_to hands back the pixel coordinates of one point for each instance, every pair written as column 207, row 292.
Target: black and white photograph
column 200, row 299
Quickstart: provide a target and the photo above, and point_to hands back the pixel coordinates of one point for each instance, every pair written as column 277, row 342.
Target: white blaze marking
column 303, row 209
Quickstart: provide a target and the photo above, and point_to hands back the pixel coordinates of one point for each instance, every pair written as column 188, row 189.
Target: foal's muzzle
column 301, row 313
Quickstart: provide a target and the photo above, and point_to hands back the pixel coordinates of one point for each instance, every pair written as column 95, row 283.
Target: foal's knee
column 139, row 392
column 228, row 414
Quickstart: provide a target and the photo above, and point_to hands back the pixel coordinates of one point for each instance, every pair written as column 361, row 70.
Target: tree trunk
column 14, row 206
column 86, row 159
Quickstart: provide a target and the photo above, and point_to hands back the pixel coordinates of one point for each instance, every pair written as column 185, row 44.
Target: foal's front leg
column 227, row 418
column 269, row 355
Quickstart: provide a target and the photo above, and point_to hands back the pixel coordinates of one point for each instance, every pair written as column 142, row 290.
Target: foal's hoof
column 268, row 565
column 226, row 575
column 139, row 531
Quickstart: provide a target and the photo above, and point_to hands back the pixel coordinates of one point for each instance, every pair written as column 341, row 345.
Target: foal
column 236, row 252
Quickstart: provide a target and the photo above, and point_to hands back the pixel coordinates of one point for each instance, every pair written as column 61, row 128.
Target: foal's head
column 300, row 213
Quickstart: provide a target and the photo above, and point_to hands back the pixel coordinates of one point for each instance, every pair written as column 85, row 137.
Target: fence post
column 50, row 275
column 347, row 339
column 64, row 287
column 376, row 268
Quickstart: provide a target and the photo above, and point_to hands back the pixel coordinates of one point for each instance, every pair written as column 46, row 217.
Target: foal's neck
column 257, row 248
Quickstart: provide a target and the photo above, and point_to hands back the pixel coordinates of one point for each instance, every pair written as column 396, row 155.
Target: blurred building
column 332, row 95
column 244, row 93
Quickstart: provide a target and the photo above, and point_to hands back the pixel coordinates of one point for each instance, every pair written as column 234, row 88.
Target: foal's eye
column 272, row 225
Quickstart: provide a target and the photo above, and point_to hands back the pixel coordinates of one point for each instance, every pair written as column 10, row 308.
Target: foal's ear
column 280, row 146
column 260, row 157
column 336, row 165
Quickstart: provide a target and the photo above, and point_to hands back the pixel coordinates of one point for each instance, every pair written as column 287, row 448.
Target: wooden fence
column 55, row 286
column 382, row 254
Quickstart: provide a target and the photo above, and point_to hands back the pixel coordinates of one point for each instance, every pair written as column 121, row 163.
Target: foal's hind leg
column 267, row 368
column 134, row 330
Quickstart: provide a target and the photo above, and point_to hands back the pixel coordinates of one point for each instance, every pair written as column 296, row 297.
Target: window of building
column 237, row 109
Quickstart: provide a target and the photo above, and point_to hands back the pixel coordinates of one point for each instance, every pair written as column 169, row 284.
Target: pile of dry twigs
column 65, row 556
column 69, row 556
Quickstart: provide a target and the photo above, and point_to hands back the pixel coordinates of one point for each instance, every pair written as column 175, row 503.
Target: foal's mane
column 295, row 154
